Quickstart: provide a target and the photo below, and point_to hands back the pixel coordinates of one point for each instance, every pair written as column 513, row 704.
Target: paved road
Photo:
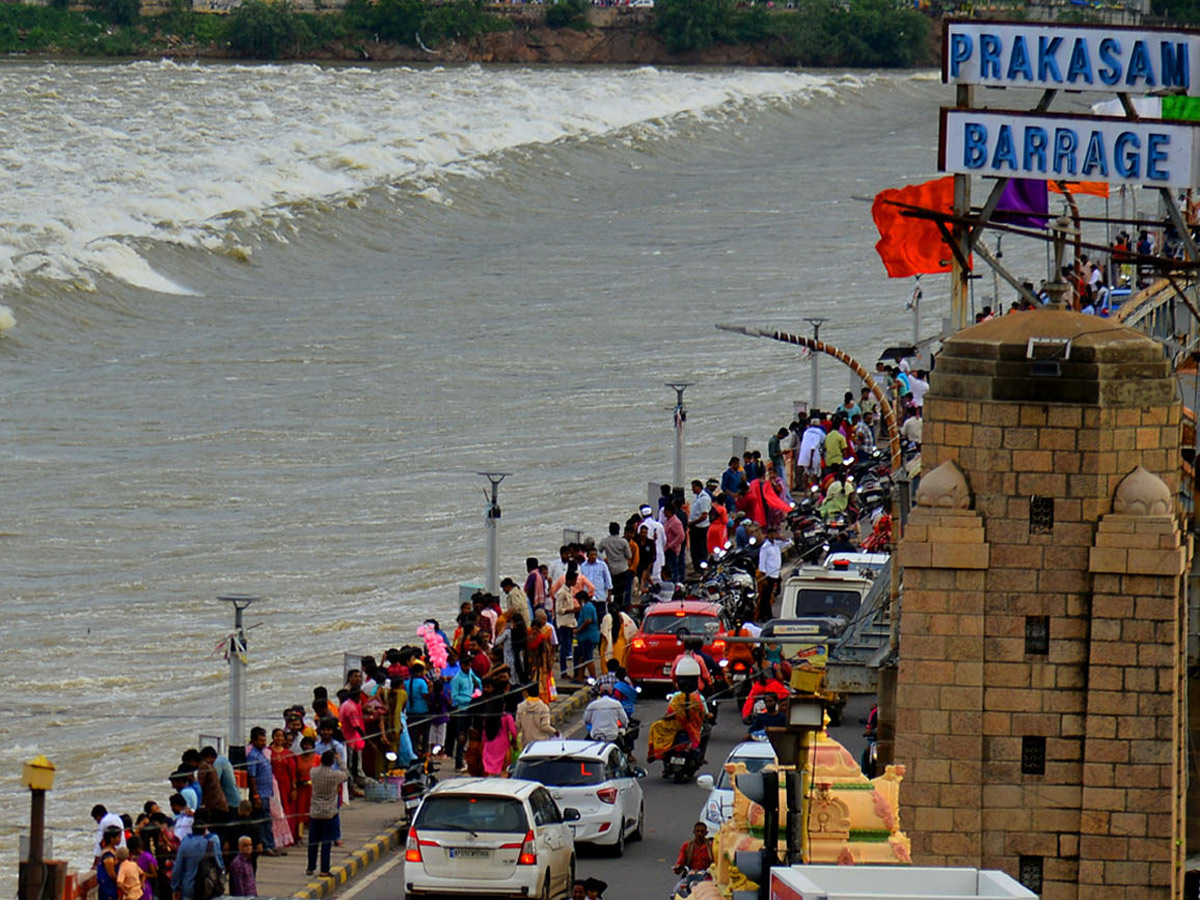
column 644, row 873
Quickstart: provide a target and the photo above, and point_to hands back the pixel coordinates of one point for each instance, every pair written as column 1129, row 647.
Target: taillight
column 412, row 850
column 528, row 855
column 639, row 643
column 718, row 646
column 607, row 795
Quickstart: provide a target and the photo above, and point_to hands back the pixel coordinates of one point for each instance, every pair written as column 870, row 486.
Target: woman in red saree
column 283, row 765
column 305, row 760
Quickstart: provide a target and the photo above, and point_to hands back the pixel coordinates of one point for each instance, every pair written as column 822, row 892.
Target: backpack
column 210, row 879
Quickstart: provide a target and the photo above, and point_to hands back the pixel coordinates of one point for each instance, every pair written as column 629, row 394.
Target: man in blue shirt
column 192, row 850
column 418, row 707
column 587, row 634
column 262, row 785
column 181, row 781
column 463, row 688
column 598, row 574
column 732, row 478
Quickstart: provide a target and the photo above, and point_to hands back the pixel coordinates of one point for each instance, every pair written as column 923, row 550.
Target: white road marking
column 367, row 880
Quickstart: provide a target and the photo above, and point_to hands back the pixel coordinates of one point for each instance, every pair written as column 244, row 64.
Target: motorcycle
column 737, row 674
column 418, row 781
column 682, row 760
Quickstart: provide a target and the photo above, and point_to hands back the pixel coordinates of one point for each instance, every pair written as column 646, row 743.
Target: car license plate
column 469, row 853
column 678, row 760
column 666, row 670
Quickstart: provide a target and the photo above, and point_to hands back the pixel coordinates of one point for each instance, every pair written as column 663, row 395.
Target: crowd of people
column 475, row 695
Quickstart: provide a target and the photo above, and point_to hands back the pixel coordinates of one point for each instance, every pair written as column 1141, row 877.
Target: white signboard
column 1079, row 57
column 1068, row 147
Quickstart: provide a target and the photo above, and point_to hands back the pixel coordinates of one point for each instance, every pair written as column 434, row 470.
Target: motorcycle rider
column 605, row 717
column 686, row 715
column 693, row 649
column 771, row 717
column 842, row 544
column 695, row 855
column 767, row 682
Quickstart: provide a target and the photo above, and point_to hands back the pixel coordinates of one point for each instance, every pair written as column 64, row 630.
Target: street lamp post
column 492, row 523
column 38, row 776
column 235, row 652
column 815, row 391
column 680, row 419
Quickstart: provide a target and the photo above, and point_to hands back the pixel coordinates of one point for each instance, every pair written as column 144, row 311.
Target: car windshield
column 671, row 623
column 560, row 772
column 827, row 602
column 753, row 764
column 459, row 812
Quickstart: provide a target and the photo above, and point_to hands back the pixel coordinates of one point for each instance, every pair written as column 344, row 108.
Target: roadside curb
column 371, row 853
column 568, row 707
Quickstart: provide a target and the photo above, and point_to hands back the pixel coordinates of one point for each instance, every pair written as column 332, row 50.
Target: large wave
column 101, row 157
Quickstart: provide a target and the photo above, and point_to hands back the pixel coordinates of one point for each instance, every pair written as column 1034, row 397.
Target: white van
column 815, row 592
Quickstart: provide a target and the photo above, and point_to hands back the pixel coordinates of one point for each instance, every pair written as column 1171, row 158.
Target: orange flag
column 1095, row 188
column 911, row 246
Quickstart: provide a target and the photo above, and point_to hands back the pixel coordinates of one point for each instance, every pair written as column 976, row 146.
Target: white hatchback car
column 594, row 777
column 757, row 755
column 490, row 837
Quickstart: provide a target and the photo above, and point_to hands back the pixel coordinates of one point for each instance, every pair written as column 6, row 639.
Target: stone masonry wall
column 969, row 692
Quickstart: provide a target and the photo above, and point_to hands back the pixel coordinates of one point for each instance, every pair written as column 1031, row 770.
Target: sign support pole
column 964, row 95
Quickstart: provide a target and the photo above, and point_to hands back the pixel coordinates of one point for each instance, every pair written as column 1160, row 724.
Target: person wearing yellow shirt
column 836, row 447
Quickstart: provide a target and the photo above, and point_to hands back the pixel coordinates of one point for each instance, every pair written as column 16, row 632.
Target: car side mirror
column 639, row 772
column 704, row 782
column 570, row 814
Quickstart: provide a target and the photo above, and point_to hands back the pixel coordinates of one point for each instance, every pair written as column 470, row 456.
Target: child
column 439, row 711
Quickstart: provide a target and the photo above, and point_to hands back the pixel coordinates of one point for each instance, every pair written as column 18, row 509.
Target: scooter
column 682, row 760
column 687, row 883
column 737, row 674
column 418, row 781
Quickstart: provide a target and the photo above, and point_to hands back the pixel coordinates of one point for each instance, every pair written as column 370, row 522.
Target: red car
column 660, row 639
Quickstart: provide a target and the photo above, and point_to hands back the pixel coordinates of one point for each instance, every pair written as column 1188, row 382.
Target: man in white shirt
column 558, row 567
column 809, row 459
column 918, row 385
column 659, row 534
column 770, row 565
column 104, row 819
column 911, row 429
column 698, row 521
column 605, row 716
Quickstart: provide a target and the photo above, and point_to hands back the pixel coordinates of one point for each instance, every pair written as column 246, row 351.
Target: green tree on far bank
column 854, row 33
column 265, row 30
column 566, row 13
column 122, row 12
column 415, row 22
column 693, row 24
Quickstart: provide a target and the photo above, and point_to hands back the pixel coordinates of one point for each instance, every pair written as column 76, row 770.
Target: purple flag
column 1025, row 202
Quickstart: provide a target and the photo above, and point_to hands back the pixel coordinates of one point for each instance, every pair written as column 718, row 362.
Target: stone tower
column 1040, row 688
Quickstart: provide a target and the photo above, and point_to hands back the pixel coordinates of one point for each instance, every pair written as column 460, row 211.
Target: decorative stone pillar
column 1131, row 816
column 939, row 696
column 1025, row 594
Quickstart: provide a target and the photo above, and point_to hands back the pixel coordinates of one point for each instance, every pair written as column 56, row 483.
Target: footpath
column 369, row 831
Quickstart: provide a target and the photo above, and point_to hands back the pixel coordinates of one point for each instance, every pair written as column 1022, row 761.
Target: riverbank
column 705, row 33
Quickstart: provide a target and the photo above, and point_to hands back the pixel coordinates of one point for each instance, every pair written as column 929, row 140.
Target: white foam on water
column 7, row 320
column 102, row 156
